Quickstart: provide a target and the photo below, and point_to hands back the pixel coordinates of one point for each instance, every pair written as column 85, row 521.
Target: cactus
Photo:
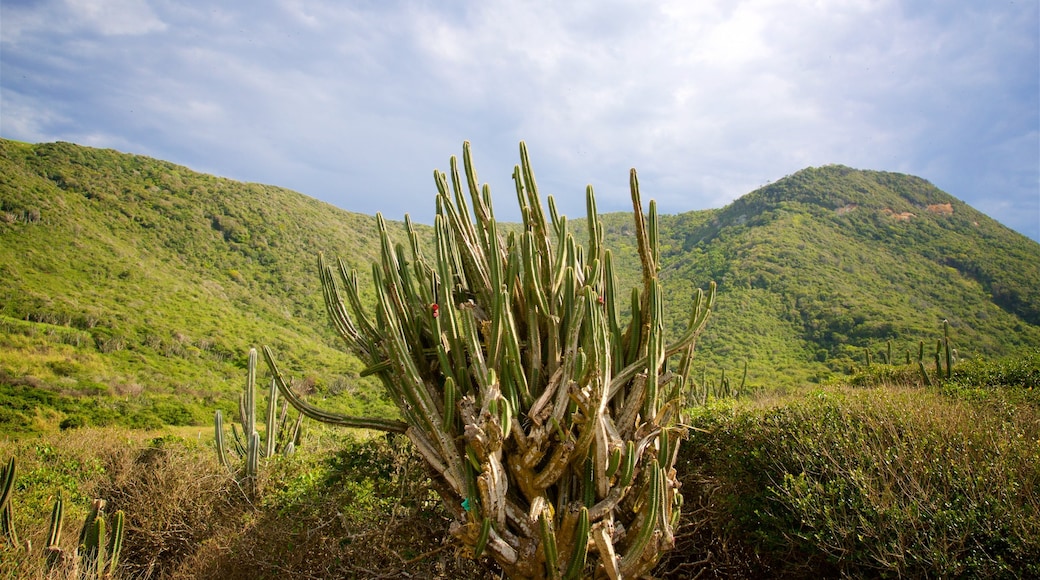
column 546, row 421
column 280, row 436
column 99, row 549
column 949, row 350
column 6, row 511
column 920, row 365
column 93, row 560
column 55, row 555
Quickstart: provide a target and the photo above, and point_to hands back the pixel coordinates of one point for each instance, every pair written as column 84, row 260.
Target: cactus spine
column 545, row 419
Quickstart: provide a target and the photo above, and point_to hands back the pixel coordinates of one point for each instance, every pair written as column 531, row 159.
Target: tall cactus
column 279, row 436
column 550, row 427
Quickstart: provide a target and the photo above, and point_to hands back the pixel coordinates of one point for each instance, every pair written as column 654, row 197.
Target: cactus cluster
column 280, row 435
column 98, row 548
column 700, row 393
column 549, row 424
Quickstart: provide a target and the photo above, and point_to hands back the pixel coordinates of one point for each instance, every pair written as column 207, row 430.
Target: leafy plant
column 865, row 482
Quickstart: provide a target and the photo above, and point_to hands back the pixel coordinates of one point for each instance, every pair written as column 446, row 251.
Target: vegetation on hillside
column 130, row 280
column 881, row 481
column 824, row 263
column 131, row 289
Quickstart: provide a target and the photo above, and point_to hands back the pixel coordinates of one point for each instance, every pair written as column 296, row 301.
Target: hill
column 131, row 277
column 831, row 260
column 131, row 288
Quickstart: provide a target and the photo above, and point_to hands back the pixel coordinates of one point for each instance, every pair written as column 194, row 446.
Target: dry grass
column 363, row 511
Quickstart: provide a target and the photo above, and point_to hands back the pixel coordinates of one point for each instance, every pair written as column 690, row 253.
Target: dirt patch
column 941, row 208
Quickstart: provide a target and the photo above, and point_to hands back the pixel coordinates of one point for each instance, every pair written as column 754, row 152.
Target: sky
column 356, row 103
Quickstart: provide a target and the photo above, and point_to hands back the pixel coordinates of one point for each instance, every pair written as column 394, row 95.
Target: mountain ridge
column 167, row 276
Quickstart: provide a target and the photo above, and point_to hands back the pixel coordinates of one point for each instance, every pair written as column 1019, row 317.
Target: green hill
column 131, row 288
column 133, row 278
column 831, row 260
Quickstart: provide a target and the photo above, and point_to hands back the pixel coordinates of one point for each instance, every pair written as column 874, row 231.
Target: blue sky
column 356, row 103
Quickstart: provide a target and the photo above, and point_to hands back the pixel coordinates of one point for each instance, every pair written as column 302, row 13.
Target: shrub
column 868, row 483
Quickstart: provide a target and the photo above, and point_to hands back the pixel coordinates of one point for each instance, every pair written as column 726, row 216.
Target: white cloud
column 115, row 17
column 707, row 99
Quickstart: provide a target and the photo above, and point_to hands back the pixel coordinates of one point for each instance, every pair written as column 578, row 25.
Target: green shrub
column 1013, row 372
column 72, row 422
column 879, row 482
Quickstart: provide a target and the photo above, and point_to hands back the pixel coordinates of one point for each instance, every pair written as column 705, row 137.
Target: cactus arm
column 634, row 555
column 57, row 522
column 351, row 286
column 702, row 309
column 580, row 540
column 97, row 546
column 337, row 310
column 319, row 414
column 218, row 432
column 549, row 548
column 646, row 256
column 240, row 443
column 949, row 351
column 115, row 546
column 252, row 463
column 6, row 509
column 95, row 509
column 271, row 434
column 249, row 420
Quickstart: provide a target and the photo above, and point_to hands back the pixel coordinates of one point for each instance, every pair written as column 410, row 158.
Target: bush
column 72, row 422
column 866, row 483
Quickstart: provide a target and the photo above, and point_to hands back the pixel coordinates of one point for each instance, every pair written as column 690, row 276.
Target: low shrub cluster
column 863, row 483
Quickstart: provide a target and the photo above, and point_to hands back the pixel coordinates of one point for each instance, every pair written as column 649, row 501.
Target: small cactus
column 99, row 547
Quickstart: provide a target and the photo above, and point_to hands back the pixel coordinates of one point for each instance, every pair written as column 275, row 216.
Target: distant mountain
column 136, row 279
column 831, row 260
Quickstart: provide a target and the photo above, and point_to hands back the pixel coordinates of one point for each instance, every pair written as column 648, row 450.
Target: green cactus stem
column 948, row 349
column 218, row 431
column 55, row 555
column 6, row 511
